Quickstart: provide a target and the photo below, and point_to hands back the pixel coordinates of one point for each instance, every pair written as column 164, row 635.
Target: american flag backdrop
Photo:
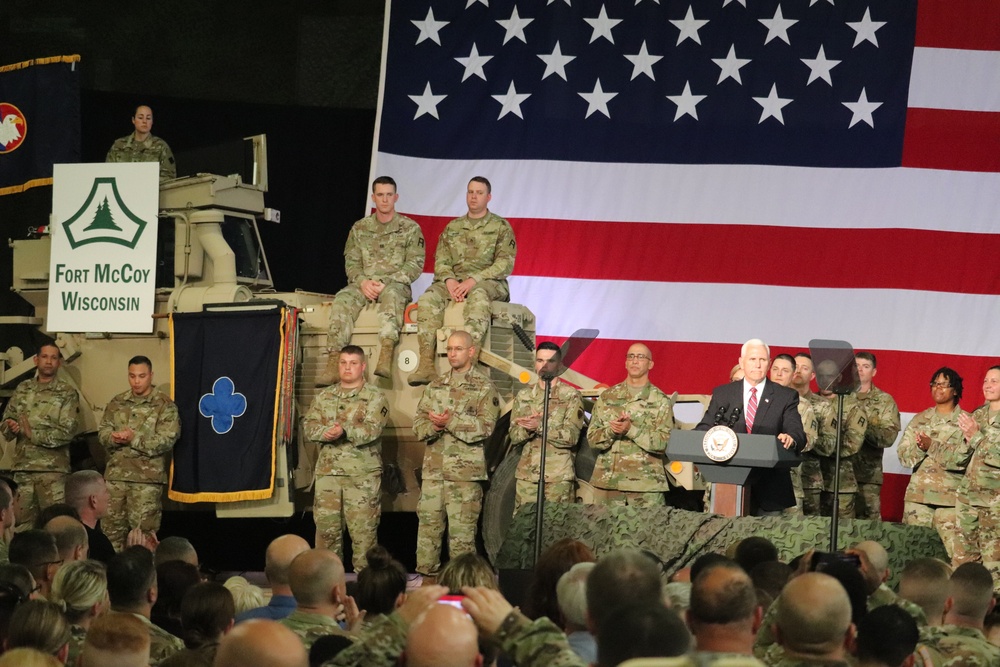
column 693, row 174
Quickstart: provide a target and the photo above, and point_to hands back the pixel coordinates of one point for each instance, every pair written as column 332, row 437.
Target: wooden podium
column 754, row 453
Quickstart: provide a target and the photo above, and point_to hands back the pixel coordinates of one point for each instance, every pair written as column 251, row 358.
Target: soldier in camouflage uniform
column 960, row 640
column 474, row 256
column 813, row 617
column 384, row 254
column 317, row 580
column 138, row 431
column 565, row 422
column 345, row 422
column 42, row 415
column 852, row 438
column 883, row 427
column 782, row 372
column 978, row 495
column 454, row 417
column 132, row 590
column 630, row 429
column 141, row 146
column 935, row 447
column 824, row 416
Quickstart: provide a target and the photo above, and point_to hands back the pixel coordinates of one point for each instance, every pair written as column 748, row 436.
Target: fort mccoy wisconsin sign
column 102, row 273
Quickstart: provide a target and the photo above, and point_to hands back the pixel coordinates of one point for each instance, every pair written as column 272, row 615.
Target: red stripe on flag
column 947, row 139
column 863, row 258
column 959, row 24
column 697, row 368
column 893, row 490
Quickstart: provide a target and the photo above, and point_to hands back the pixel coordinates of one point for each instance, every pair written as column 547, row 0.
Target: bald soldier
column 384, row 254
column 42, row 417
column 475, row 255
column 814, row 621
column 456, row 414
column 320, row 588
column 782, row 372
column 443, row 637
column 142, row 146
column 564, row 425
column 261, row 643
column 630, row 429
column 345, row 422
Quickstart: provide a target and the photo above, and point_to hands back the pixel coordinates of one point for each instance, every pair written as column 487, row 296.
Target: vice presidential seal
column 720, row 443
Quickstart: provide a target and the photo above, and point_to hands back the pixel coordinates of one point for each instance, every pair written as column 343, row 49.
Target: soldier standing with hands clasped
column 346, row 422
column 455, row 416
column 138, row 431
column 565, row 423
column 42, row 416
column 630, row 429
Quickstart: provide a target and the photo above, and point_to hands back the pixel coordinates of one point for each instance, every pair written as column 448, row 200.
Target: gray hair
column 571, row 593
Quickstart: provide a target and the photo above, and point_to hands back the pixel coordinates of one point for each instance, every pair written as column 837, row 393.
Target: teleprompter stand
column 569, row 352
column 754, row 454
column 836, row 373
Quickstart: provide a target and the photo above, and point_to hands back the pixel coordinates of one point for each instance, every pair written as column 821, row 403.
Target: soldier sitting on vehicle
column 475, row 254
column 383, row 256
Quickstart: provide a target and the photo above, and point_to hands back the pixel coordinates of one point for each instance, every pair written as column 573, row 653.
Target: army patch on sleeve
column 496, row 402
column 385, row 411
column 420, row 242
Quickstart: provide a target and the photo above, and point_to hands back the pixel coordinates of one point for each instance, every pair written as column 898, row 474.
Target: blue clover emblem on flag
column 223, row 405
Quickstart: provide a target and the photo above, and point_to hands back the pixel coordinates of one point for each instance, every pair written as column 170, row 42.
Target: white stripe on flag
column 955, row 79
column 712, row 194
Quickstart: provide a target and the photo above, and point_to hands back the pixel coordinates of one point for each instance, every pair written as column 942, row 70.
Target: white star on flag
column 862, row 110
column 742, row 2
column 772, row 105
column 778, row 27
column 486, row 3
column 866, row 28
column 686, row 102
column 689, row 27
column 511, row 102
column 473, row 63
column 429, row 28
column 597, row 100
column 514, row 26
column 602, row 26
column 555, row 62
column 642, row 62
column 730, row 66
column 427, row 102
column 820, row 66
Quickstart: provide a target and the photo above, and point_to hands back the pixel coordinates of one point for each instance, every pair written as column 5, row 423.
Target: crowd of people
column 150, row 605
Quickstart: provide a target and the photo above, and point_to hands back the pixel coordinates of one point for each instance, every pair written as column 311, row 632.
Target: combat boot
column 426, row 371
column 384, row 367
column 332, row 373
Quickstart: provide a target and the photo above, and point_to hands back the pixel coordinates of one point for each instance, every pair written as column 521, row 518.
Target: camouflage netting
column 678, row 537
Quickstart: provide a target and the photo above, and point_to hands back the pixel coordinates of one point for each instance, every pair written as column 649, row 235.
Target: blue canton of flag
column 719, row 81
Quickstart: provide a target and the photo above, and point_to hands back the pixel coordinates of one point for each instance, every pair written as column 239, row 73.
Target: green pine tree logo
column 103, row 218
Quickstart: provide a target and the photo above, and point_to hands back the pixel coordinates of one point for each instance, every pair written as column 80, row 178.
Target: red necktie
column 751, row 409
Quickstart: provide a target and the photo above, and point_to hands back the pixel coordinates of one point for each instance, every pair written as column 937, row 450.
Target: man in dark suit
column 770, row 409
